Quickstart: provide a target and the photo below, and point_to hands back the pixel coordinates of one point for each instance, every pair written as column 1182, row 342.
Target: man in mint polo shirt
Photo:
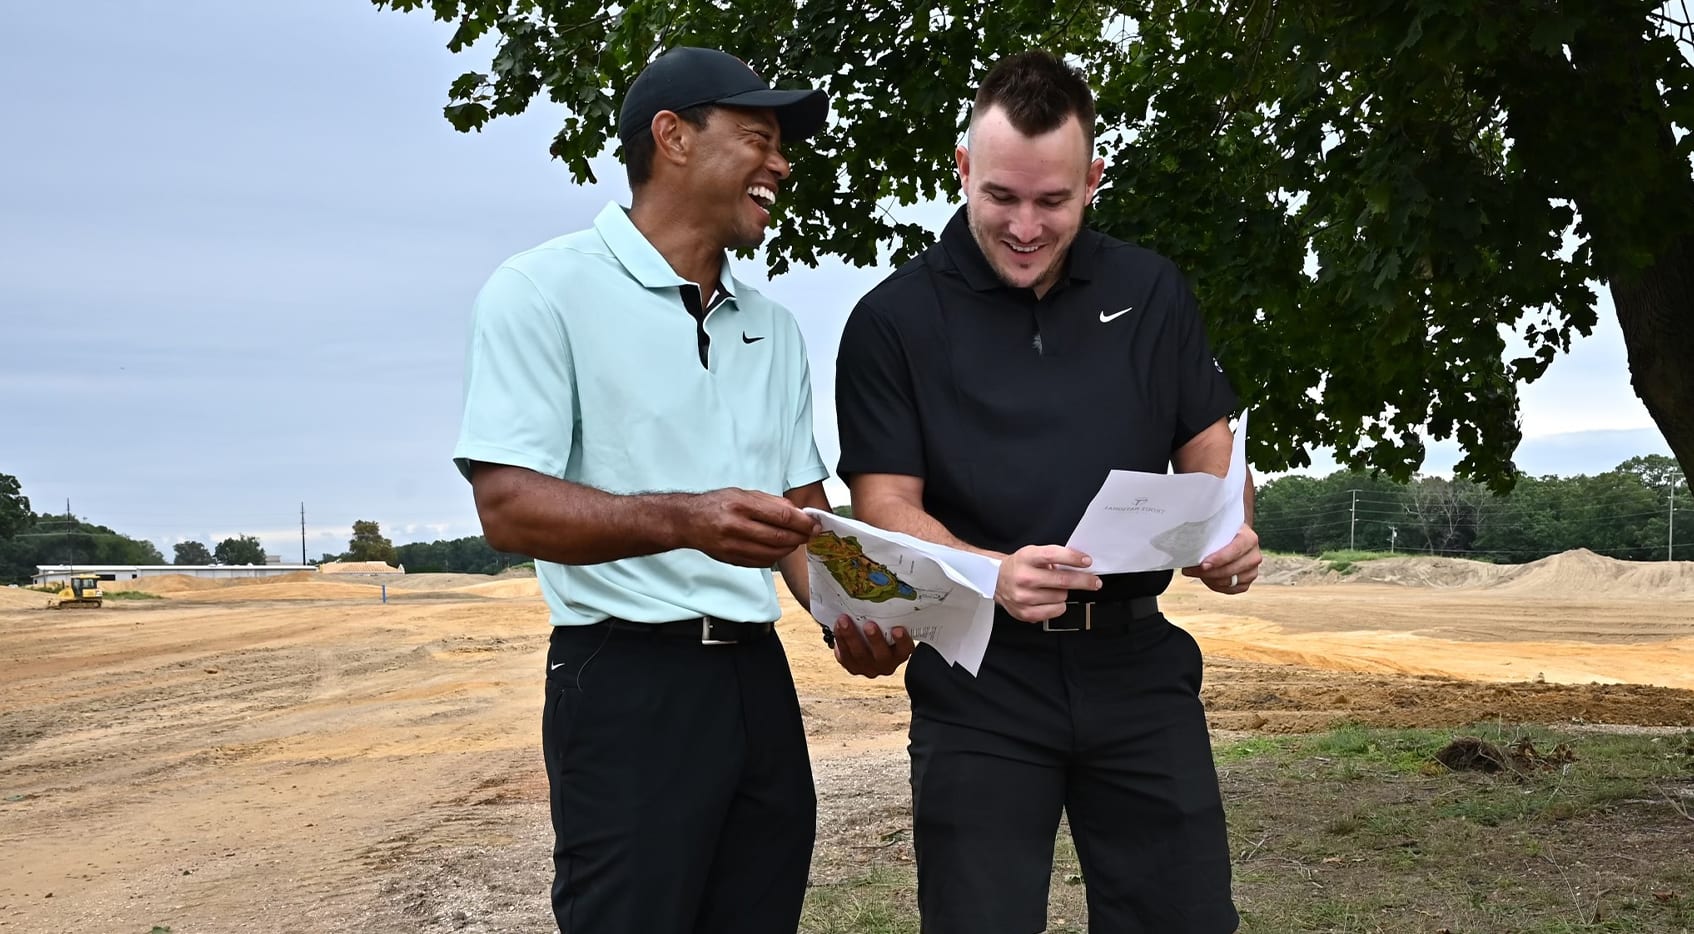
column 640, row 422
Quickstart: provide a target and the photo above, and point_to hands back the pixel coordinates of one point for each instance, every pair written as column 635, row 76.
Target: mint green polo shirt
column 584, row 364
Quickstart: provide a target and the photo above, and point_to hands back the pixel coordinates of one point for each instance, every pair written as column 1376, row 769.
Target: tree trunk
column 1656, row 309
column 1615, row 64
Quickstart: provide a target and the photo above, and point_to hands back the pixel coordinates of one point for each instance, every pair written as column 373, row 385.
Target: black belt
column 707, row 630
column 1103, row 616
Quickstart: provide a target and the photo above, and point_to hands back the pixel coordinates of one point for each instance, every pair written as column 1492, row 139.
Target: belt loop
column 1088, row 616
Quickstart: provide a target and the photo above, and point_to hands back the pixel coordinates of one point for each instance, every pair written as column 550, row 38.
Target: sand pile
column 357, row 567
column 1295, row 569
column 1430, row 571
column 173, row 584
column 17, row 598
column 514, row 587
column 285, row 589
column 163, row 584
column 1582, row 573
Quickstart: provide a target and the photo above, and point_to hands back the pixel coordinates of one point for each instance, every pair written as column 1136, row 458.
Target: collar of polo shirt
column 641, row 259
column 966, row 254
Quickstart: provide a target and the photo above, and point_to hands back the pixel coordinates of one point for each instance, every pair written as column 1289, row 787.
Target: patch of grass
column 1362, row 830
column 1353, row 556
column 132, row 595
column 1345, row 561
column 883, row 901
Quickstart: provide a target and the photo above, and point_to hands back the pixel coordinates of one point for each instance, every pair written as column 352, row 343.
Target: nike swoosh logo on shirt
column 555, row 665
column 1105, row 318
column 750, row 340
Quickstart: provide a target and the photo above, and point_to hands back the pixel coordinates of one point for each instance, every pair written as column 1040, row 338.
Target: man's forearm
column 797, row 577
column 556, row 520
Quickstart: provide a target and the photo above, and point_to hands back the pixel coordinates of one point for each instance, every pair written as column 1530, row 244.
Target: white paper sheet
column 1152, row 522
column 940, row 595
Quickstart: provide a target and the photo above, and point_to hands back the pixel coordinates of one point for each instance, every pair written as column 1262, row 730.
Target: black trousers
column 1107, row 728
column 681, row 790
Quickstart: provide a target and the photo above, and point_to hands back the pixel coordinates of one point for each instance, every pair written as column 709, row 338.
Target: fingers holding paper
column 1036, row 580
column 868, row 653
column 1232, row 568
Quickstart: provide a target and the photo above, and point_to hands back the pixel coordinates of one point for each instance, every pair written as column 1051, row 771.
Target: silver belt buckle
column 706, row 634
column 1087, row 620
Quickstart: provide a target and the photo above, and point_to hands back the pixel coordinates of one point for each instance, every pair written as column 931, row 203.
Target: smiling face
column 1025, row 195
column 737, row 173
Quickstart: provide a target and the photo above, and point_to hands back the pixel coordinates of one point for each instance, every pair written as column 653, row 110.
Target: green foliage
column 368, row 543
column 191, row 553
column 1623, row 513
column 1366, row 198
column 57, row 539
column 469, row 555
column 14, row 507
column 131, row 595
column 243, row 549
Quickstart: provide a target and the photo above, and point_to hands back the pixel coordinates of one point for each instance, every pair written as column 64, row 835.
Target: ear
column 672, row 140
column 1096, row 170
column 962, row 158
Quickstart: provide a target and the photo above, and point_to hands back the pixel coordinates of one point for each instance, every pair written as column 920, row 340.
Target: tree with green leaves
column 242, row 549
column 1366, row 196
column 15, row 514
column 191, row 553
column 368, row 544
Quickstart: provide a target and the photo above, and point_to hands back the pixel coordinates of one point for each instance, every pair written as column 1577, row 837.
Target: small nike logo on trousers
column 1104, row 318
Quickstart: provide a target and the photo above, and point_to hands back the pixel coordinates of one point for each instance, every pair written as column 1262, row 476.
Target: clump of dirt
column 1471, row 754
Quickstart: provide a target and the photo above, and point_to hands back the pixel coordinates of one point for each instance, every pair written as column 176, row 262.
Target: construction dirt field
column 299, row 755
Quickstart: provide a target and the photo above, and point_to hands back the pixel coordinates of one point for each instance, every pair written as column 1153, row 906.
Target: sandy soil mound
column 357, row 567
column 20, row 599
column 1295, row 569
column 1584, row 573
column 170, row 584
column 1430, row 572
column 515, row 587
column 284, row 590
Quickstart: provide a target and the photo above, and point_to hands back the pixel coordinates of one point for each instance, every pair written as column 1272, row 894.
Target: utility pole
column 1352, row 519
column 1393, row 536
column 302, row 533
column 1670, row 533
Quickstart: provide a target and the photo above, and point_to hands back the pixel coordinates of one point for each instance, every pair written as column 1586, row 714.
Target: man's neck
column 685, row 245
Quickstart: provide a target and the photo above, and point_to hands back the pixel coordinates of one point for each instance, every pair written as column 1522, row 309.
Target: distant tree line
column 1625, row 513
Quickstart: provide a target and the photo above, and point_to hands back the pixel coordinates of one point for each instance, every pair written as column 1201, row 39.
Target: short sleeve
column 520, row 388
column 802, row 465
column 1204, row 393
column 874, row 401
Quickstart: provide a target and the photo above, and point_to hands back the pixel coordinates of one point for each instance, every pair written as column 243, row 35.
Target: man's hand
column 1034, row 582
column 744, row 527
column 868, row 654
column 1232, row 568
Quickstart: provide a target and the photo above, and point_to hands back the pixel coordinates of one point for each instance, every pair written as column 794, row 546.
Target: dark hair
column 638, row 151
column 1038, row 92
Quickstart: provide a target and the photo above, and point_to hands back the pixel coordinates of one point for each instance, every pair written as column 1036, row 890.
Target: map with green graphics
column 859, row 576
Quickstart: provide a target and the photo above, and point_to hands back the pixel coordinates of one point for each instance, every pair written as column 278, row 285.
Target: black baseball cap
column 687, row 77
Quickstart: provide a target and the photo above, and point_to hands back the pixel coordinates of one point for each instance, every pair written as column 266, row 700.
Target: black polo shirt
column 1011, row 408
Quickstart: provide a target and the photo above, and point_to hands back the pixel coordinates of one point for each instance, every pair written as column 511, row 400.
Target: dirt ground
column 300, row 755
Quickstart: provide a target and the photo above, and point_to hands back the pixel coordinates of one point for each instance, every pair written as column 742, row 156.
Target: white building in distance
column 61, row 573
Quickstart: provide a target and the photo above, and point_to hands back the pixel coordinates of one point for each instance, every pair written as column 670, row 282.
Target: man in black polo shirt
column 984, row 390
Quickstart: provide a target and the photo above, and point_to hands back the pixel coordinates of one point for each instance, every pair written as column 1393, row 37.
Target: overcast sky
column 242, row 241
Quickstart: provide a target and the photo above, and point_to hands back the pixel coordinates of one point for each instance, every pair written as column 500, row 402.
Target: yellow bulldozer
column 82, row 590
